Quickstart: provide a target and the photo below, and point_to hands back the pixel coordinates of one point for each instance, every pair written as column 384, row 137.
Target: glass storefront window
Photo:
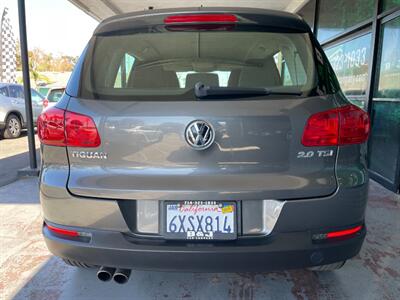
column 339, row 15
column 350, row 60
column 389, row 69
column 385, row 134
column 389, row 4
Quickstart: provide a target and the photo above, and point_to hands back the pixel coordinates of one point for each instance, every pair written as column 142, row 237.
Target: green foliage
column 36, row 77
column 41, row 61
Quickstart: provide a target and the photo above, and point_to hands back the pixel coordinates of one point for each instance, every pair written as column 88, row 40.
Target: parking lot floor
column 14, row 156
column 29, row 271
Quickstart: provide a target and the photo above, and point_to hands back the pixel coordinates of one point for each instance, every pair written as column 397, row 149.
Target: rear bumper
column 289, row 245
column 275, row 252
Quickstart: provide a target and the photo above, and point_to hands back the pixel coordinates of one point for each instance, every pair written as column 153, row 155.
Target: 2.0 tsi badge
column 199, row 135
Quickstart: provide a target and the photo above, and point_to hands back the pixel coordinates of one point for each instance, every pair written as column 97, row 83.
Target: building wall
column 362, row 41
column 8, row 65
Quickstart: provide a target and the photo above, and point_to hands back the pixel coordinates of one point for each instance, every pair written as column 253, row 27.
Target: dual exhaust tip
column 120, row 276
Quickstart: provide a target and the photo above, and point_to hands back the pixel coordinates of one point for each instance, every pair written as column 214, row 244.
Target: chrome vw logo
column 199, row 135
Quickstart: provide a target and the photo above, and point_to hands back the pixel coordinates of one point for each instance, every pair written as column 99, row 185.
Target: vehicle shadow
column 10, row 165
column 54, row 280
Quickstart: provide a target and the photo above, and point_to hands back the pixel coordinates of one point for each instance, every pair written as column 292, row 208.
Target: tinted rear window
column 167, row 65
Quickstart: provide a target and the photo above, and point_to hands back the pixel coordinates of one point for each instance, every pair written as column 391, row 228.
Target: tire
column 329, row 267
column 13, row 127
column 78, row 264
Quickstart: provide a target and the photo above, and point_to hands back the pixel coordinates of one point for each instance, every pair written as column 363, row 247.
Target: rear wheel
column 329, row 267
column 13, row 127
column 78, row 264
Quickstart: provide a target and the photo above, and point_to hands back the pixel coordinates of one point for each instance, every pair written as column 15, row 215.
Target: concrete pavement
column 14, row 156
column 28, row 271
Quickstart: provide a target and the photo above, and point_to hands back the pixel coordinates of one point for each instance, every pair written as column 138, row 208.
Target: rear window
column 36, row 97
column 55, row 95
column 4, row 91
column 167, row 65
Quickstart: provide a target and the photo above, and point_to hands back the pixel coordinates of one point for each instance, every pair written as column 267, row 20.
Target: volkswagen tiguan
column 204, row 139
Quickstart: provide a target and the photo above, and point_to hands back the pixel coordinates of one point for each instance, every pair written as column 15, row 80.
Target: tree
column 41, row 61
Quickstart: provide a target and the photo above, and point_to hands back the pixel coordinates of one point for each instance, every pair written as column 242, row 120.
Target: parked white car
column 12, row 109
column 53, row 96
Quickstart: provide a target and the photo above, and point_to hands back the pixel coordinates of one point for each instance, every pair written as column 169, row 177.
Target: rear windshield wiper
column 204, row 91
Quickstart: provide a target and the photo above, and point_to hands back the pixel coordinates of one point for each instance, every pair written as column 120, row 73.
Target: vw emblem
column 199, row 135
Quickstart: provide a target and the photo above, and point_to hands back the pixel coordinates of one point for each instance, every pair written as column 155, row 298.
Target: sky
column 56, row 26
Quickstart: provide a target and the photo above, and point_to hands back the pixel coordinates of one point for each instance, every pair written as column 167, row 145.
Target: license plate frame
column 216, row 236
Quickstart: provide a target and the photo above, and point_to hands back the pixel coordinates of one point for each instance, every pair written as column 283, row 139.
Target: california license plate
column 200, row 220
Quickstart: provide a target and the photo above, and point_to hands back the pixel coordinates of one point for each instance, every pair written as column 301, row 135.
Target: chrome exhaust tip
column 105, row 273
column 121, row 276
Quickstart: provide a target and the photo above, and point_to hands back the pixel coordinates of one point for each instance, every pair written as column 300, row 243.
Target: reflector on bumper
column 337, row 234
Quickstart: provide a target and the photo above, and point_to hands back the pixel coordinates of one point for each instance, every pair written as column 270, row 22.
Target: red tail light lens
column 337, row 234
column 81, row 131
column 200, row 27
column 354, row 125
column 340, row 126
column 50, row 127
column 345, row 232
column 201, row 18
column 322, row 129
column 61, row 231
column 57, row 127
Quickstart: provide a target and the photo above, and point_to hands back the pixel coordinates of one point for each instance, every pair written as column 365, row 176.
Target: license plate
column 200, row 220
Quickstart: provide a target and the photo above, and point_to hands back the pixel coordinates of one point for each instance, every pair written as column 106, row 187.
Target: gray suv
column 12, row 109
column 203, row 140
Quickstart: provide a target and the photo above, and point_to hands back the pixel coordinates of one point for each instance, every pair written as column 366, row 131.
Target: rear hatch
column 139, row 88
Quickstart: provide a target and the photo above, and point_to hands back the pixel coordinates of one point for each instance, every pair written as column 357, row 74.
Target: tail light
column 340, row 126
column 57, row 127
column 50, row 127
column 340, row 233
column 62, row 231
column 201, row 18
column 45, row 103
column 200, row 27
column 68, row 233
column 337, row 234
column 80, row 131
column 354, row 125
